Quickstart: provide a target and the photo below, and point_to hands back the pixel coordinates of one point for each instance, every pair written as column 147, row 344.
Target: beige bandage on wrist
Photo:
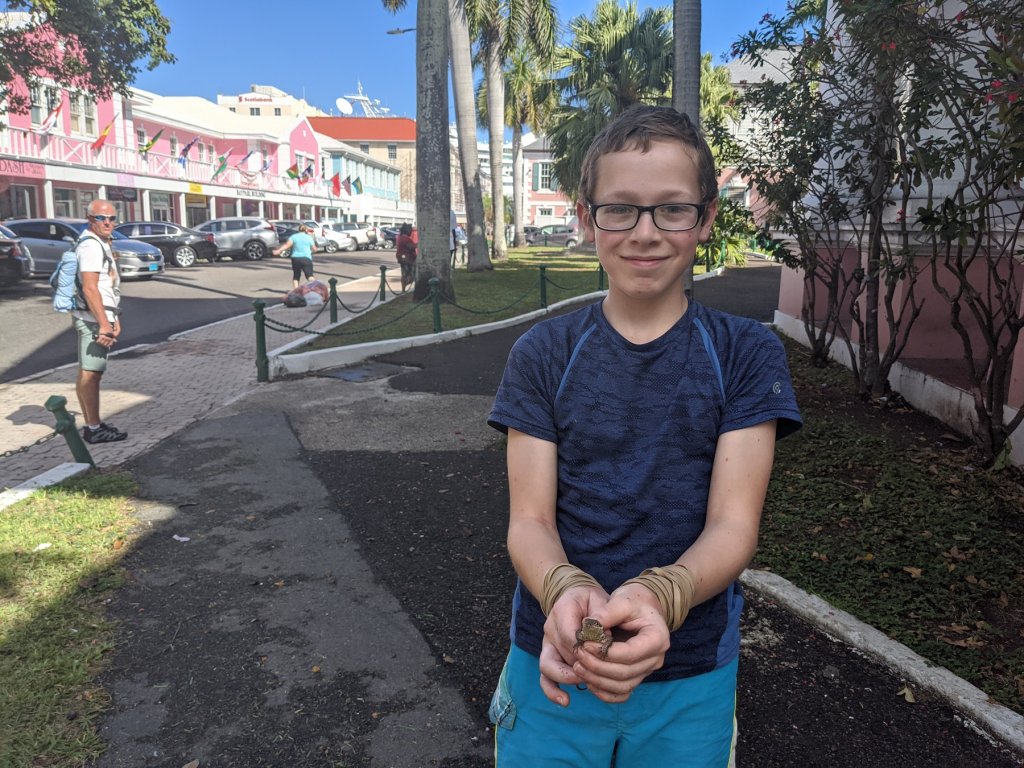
column 558, row 579
column 673, row 585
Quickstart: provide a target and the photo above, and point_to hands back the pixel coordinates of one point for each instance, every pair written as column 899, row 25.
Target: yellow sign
column 194, row 188
column 195, row 199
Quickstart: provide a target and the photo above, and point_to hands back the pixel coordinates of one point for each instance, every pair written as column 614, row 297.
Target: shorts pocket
column 502, row 711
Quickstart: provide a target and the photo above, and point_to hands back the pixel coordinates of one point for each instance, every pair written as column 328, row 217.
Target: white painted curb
column 1001, row 722
column 58, row 474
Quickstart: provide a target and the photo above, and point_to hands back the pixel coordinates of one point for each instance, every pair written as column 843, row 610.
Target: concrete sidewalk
column 153, row 391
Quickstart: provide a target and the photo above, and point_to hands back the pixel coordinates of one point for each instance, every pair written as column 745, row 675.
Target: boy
column 641, row 436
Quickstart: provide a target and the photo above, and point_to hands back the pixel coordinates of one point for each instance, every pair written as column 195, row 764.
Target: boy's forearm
column 534, row 548
column 717, row 559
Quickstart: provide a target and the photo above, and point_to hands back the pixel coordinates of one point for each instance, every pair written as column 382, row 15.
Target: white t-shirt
column 95, row 256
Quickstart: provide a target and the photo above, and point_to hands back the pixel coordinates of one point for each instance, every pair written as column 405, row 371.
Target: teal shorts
column 91, row 356
column 688, row 723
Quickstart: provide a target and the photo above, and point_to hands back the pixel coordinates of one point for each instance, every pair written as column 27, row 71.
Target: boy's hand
column 557, row 651
column 633, row 610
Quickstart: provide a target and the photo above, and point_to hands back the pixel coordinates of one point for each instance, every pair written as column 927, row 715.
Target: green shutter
column 536, row 176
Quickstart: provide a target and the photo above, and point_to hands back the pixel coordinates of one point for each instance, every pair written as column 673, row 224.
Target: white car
column 339, row 241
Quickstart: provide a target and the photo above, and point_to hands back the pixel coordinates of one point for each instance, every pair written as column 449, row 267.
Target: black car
column 180, row 245
column 390, row 236
column 15, row 262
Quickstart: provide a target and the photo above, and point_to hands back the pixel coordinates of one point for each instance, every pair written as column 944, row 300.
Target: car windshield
column 5, row 232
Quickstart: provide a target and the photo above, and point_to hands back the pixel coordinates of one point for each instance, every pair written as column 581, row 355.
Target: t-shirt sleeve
column 90, row 256
column 758, row 385
column 525, row 397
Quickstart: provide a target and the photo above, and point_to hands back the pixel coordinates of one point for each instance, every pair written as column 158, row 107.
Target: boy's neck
column 643, row 321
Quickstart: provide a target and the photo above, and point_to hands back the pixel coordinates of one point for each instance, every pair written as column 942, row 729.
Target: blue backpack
column 66, row 284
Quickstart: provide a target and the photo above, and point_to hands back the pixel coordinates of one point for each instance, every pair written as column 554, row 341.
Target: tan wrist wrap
column 558, row 579
column 673, row 585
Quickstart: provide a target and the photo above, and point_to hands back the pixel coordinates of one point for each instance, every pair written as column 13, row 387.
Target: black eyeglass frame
column 642, row 209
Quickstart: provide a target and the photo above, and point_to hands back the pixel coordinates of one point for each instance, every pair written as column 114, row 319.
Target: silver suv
column 364, row 233
column 241, row 237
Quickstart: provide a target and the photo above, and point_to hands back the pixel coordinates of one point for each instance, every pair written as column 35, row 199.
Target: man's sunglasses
column 100, row 217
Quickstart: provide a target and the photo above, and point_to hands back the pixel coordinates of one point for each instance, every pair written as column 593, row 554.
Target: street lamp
column 401, row 31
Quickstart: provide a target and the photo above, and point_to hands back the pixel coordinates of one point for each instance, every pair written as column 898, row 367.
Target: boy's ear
column 709, row 220
column 586, row 225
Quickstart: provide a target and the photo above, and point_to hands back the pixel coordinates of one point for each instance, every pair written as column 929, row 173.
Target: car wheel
column 184, row 256
column 570, row 243
column 332, row 247
column 352, row 246
column 255, row 250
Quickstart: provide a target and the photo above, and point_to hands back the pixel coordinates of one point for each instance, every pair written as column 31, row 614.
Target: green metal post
column 383, row 282
column 334, row 299
column 57, row 405
column 435, row 298
column 543, row 286
column 600, row 277
column 262, row 364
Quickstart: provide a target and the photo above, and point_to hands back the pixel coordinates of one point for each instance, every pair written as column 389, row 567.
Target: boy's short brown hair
column 637, row 128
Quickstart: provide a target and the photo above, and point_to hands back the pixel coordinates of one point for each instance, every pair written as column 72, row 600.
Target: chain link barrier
column 24, row 448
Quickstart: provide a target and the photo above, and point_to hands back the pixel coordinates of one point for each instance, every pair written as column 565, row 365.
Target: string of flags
column 222, row 163
column 185, row 150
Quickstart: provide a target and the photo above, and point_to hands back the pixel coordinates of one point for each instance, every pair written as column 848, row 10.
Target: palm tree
column 465, row 120
column 686, row 89
column 433, row 171
column 615, row 59
column 501, row 27
column 529, row 100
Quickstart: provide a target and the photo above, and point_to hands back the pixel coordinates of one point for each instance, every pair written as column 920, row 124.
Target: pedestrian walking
column 98, row 326
column 406, row 252
column 301, row 245
column 641, row 434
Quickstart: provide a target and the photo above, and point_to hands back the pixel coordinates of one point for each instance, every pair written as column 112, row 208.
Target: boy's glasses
column 101, row 218
column 670, row 217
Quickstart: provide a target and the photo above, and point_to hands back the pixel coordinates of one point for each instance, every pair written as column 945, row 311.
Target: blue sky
column 322, row 49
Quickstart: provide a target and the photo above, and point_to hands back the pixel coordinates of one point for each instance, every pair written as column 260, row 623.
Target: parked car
column 180, row 245
column 241, row 237
column 48, row 239
column 364, row 233
column 339, row 241
column 321, row 241
column 529, row 232
column 15, row 260
column 284, row 231
column 389, row 235
column 555, row 234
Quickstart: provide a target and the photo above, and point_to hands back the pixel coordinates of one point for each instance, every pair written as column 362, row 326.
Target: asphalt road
column 34, row 338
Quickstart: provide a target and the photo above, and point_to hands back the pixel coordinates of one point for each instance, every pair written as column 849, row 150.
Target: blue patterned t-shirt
column 636, row 427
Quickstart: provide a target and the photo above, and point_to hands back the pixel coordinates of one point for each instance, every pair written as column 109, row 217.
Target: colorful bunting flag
column 51, row 119
column 357, row 185
column 102, row 138
column 336, row 184
column 183, row 155
column 307, row 175
column 149, row 144
column 222, row 163
column 347, row 184
column 293, row 172
column 247, row 156
column 266, row 163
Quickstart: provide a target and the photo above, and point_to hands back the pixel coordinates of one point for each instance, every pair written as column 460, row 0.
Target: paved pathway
column 153, row 391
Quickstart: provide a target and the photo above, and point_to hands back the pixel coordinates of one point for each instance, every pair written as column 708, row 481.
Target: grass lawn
column 880, row 510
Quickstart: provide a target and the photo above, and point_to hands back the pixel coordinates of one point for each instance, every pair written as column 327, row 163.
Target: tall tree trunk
column 465, row 121
column 686, row 74
column 433, row 170
column 496, row 128
column 519, row 239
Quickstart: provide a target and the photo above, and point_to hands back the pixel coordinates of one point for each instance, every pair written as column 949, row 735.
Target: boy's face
column 646, row 262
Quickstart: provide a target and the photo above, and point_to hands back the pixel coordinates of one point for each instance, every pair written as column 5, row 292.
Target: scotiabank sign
column 22, row 169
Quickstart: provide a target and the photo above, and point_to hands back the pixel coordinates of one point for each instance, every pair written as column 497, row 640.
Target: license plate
column 154, row 267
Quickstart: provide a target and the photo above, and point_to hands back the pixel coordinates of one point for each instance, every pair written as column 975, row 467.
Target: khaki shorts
column 91, row 355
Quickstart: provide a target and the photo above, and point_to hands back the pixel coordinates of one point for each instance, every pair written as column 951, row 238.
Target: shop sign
column 126, row 194
column 194, row 188
column 21, row 168
column 257, row 193
column 195, row 199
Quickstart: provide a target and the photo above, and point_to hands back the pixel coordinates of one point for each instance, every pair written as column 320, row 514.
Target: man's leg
column 87, row 387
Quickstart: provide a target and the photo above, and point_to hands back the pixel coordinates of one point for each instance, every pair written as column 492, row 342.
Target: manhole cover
column 364, row 372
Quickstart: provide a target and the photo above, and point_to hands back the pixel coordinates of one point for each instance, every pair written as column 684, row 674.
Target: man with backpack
column 99, row 326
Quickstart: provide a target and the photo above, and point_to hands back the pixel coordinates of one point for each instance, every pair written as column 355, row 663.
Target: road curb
column 1000, row 722
column 58, row 474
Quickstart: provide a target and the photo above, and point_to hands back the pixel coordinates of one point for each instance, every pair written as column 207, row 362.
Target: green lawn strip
column 53, row 634
column 913, row 543
column 511, row 289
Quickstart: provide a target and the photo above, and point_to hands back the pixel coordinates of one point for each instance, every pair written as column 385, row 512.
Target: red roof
column 366, row 128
